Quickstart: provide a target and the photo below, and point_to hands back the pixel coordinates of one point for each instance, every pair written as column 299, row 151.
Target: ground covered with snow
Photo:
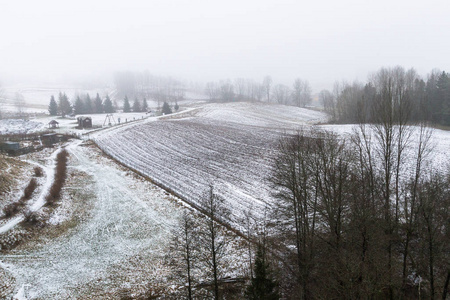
column 228, row 146
column 110, row 232
column 19, row 126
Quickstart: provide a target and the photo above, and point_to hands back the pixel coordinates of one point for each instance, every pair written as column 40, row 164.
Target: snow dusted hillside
column 228, row 146
column 262, row 115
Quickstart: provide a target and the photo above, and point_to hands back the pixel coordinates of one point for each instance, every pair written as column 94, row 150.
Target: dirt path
column 49, row 174
column 130, row 218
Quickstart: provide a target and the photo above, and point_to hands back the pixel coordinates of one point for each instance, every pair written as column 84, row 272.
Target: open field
column 229, row 146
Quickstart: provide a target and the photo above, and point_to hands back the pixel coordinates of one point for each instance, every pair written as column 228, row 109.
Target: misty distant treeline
column 427, row 100
column 242, row 89
column 143, row 84
column 82, row 105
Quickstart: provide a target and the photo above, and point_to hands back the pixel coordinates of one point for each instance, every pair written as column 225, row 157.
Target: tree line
column 200, row 255
column 137, row 106
column 242, row 89
column 363, row 216
column 429, row 99
column 82, row 105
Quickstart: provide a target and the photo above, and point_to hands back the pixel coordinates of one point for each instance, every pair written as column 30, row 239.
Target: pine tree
column 79, row 106
column 64, row 105
column 166, row 109
column 53, row 107
column 126, row 105
column 144, row 105
column 262, row 287
column 108, row 106
column 136, row 105
column 88, row 105
column 98, row 105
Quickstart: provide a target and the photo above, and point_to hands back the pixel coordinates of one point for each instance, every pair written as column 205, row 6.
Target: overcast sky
column 321, row 41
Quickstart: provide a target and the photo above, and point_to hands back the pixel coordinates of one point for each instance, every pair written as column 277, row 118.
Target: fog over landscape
column 221, row 150
column 321, row 41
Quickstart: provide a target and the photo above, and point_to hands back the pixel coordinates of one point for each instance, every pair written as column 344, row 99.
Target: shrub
column 38, row 171
column 31, row 217
column 29, row 189
column 60, row 177
column 11, row 209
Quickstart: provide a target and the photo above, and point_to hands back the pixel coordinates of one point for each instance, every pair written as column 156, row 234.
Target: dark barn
column 84, row 122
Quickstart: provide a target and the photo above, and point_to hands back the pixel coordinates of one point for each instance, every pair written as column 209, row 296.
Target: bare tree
column 327, row 100
column 212, row 90
column 281, row 94
column 226, row 91
column 19, row 102
column 296, row 209
column 301, row 94
column 240, row 84
column 267, row 84
column 186, row 247
column 213, row 240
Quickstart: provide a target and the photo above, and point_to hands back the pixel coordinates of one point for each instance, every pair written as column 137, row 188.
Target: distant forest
column 426, row 100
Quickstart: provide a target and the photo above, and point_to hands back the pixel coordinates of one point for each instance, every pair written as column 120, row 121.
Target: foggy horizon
column 321, row 41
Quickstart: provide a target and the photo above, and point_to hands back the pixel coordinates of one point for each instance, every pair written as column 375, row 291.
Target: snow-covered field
column 19, row 126
column 229, row 146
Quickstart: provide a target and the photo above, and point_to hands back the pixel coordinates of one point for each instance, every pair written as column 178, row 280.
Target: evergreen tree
column 108, row 105
column 136, row 105
column 126, row 105
column 176, row 107
column 98, row 105
column 53, row 107
column 144, row 105
column 64, row 105
column 88, row 105
column 166, row 109
column 262, row 287
column 79, row 106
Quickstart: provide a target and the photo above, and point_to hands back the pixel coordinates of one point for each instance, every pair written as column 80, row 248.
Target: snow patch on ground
column 19, row 126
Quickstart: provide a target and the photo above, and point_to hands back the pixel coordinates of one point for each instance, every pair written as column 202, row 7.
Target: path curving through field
column 130, row 218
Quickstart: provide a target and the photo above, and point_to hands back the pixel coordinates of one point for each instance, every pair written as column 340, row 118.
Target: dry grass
column 60, row 178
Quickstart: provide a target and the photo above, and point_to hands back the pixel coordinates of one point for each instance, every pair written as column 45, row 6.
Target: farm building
column 53, row 124
column 84, row 122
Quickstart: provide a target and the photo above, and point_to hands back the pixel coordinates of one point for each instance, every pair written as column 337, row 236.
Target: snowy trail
column 121, row 225
column 49, row 173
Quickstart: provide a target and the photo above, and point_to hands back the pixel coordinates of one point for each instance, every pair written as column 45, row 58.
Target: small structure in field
column 53, row 124
column 84, row 122
column 49, row 139
column 9, row 146
column 52, row 138
column 14, row 148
